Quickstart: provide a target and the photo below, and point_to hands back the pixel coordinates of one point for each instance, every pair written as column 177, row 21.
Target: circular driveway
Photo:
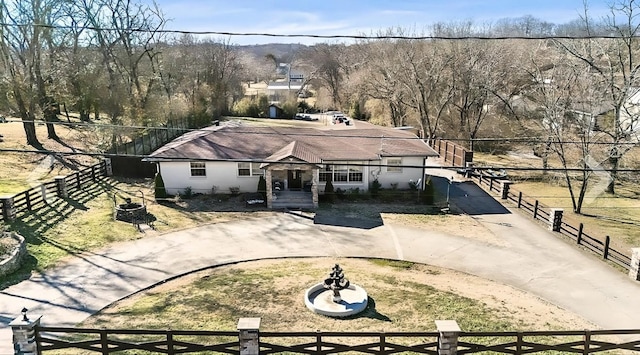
column 528, row 257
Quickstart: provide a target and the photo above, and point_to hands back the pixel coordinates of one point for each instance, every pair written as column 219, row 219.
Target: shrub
column 262, row 187
column 340, row 193
column 235, row 190
column 187, row 193
column 328, row 190
column 374, row 187
column 429, row 192
column 160, row 190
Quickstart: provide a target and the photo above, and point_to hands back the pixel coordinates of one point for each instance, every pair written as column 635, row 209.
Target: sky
column 353, row 17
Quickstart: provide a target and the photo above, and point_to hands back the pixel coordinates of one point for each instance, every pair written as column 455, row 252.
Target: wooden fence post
column 27, row 197
column 580, row 228
column 104, row 342
column 79, row 183
column 170, row 349
column 491, row 184
column 519, row 199
column 535, row 210
column 605, row 252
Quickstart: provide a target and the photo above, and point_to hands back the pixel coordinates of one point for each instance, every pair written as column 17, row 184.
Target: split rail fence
column 599, row 246
column 14, row 206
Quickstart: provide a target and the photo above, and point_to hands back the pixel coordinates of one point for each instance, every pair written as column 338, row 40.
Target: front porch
column 292, row 177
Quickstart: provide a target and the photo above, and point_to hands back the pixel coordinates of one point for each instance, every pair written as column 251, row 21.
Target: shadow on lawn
column 34, row 224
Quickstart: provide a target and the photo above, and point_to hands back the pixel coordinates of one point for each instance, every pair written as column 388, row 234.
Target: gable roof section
column 297, row 150
column 264, row 143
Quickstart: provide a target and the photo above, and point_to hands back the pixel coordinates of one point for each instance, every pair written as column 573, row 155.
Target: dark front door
column 294, row 179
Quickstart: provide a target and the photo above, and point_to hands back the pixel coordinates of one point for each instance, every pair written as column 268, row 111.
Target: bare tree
column 28, row 39
column 616, row 62
column 568, row 101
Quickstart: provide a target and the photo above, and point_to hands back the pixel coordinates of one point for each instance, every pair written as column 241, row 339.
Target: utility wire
column 479, row 168
column 264, row 34
column 533, row 139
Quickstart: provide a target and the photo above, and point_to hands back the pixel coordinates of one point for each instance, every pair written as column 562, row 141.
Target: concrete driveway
column 528, row 257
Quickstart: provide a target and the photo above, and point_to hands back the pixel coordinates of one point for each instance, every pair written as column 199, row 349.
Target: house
column 297, row 160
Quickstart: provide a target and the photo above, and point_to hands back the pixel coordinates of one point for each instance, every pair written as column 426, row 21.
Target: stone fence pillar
column 8, row 208
column 61, row 186
column 249, row 336
column 448, row 339
column 24, row 340
column 107, row 167
column 555, row 219
column 634, row 270
column 504, row 192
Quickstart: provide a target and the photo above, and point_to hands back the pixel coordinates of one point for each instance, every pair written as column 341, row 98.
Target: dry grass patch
column 613, row 215
column 405, row 297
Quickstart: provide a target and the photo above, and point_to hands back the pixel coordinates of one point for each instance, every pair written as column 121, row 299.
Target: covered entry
column 292, row 177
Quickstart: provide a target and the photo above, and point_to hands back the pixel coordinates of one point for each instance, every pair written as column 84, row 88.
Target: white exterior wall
column 402, row 178
column 222, row 175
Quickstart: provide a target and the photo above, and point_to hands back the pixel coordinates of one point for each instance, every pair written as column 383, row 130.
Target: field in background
column 617, row 216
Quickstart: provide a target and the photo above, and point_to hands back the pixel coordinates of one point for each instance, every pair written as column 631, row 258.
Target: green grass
column 11, row 186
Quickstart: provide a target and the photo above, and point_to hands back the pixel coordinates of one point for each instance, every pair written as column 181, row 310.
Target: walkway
column 527, row 257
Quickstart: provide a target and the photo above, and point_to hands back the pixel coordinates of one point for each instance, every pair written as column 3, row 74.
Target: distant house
column 289, row 86
column 222, row 158
column 280, row 91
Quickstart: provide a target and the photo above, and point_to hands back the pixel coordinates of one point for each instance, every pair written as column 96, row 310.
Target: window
column 255, row 169
column 394, row 165
column 341, row 173
column 355, row 173
column 198, row 169
column 326, row 173
column 244, row 169
column 249, row 169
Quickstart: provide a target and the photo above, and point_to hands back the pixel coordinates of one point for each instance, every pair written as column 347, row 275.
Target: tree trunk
column 30, row 131
column 615, row 163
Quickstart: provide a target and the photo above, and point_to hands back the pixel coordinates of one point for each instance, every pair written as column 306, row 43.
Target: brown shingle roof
column 296, row 150
column 260, row 143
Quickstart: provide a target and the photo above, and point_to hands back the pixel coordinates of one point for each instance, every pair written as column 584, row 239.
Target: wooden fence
column 151, row 139
column 105, row 341
column 28, row 200
column 452, row 153
column 599, row 246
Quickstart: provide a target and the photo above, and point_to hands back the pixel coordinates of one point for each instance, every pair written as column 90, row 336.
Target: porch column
column 315, row 177
column 267, row 177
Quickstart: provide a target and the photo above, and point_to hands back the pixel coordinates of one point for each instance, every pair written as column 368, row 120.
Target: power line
column 339, row 36
column 478, row 168
column 507, row 140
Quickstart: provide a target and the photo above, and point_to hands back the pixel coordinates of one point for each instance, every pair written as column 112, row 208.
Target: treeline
column 112, row 59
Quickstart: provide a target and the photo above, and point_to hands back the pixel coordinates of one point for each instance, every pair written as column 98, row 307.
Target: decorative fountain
column 336, row 296
column 130, row 211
